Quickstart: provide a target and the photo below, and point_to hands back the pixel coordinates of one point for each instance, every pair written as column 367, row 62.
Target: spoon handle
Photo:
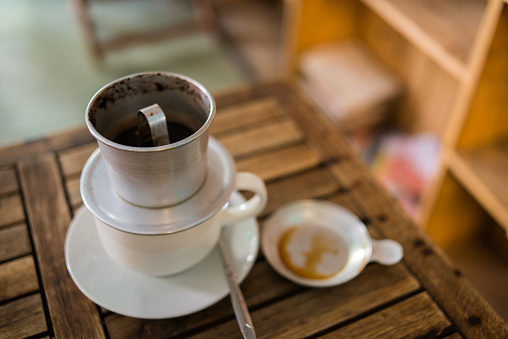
column 237, row 300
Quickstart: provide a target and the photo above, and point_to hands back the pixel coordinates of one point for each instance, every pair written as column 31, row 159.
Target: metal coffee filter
column 101, row 199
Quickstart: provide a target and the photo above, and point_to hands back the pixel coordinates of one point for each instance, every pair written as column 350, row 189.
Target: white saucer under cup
column 142, row 296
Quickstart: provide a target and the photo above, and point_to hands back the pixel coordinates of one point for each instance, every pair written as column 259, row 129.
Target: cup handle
column 248, row 182
column 386, row 252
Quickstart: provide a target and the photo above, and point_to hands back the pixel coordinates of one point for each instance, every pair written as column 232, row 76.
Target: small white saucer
column 141, row 296
column 344, row 234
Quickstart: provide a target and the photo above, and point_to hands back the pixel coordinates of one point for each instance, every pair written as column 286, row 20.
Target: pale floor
column 47, row 76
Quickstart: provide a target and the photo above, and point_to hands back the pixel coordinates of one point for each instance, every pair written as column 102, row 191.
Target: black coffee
column 176, row 131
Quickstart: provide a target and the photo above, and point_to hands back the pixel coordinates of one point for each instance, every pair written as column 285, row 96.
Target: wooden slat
column 18, row 277
column 280, row 163
column 73, row 160
column 14, row 242
column 416, row 317
column 346, row 201
column 22, row 318
column 261, row 285
column 11, row 210
column 71, row 312
column 240, row 116
column 8, row 181
column 262, row 138
column 70, row 138
column 73, row 192
column 461, row 301
column 311, row 184
column 313, row 310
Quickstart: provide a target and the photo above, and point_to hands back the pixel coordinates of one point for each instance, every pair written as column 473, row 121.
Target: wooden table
column 271, row 130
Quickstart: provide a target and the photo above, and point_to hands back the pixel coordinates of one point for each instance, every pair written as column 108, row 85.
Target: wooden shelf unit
column 478, row 140
column 443, row 30
column 483, row 172
column 453, row 59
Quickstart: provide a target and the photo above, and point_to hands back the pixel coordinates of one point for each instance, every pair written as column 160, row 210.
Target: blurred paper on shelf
column 405, row 165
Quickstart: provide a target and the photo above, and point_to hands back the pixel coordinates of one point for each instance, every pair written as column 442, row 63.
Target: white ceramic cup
column 168, row 254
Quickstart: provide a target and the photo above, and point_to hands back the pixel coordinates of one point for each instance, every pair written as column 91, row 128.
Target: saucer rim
column 298, row 207
column 251, row 230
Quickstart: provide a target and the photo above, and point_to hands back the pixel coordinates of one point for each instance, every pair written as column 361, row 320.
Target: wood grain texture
column 280, row 163
column 72, row 160
column 18, row 277
column 70, row 138
column 11, row 210
column 416, row 317
column 261, row 286
column 14, row 242
column 22, row 318
column 461, row 301
column 8, row 181
column 345, row 200
column 315, row 183
column 260, row 139
column 313, row 310
column 73, row 192
column 240, row 116
column 72, row 314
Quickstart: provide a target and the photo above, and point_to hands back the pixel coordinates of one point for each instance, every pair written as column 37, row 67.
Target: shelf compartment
column 443, row 30
column 483, row 173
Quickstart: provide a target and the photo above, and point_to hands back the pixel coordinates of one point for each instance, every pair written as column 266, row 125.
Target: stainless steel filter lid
column 100, row 198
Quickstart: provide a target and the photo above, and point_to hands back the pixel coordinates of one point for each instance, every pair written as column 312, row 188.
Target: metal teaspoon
column 239, row 306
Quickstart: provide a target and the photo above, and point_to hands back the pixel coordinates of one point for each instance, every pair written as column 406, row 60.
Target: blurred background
column 419, row 88
column 49, row 66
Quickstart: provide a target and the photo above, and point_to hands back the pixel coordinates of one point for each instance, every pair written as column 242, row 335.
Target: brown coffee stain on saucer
column 312, row 252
